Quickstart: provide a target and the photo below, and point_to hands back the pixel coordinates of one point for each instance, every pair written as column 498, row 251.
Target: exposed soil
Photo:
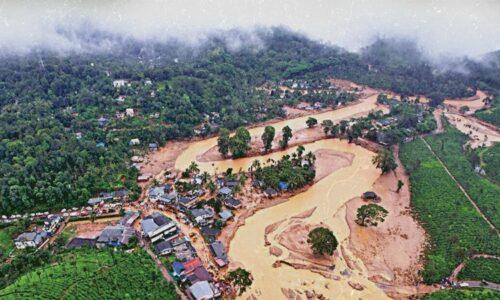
column 479, row 133
column 391, row 251
column 474, row 102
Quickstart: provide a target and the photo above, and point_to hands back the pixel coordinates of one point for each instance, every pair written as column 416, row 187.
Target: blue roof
column 177, row 267
column 282, row 185
column 226, row 215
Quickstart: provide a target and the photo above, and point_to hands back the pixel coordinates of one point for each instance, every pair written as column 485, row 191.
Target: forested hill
column 64, row 137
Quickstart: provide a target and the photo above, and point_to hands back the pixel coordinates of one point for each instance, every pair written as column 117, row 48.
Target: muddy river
column 329, row 196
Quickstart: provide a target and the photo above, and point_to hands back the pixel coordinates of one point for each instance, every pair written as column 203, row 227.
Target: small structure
column 226, row 215
column 137, row 159
column 220, row 256
column 119, row 83
column 203, row 216
column 168, row 199
column 153, row 147
column 283, row 185
column 143, row 178
column 201, row 290
column 177, row 269
column 270, row 192
column 102, row 121
column 158, row 226
column 30, row 239
column 232, row 203
column 232, row 184
column 129, row 112
column 164, row 248
column 121, row 194
column 225, row 192
column 134, row 142
column 186, row 202
column 210, row 233
column 114, row 235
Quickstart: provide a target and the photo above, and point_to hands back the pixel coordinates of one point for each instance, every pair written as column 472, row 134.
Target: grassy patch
column 6, row 242
column 93, row 274
column 481, row 268
column 455, row 228
column 490, row 115
column 490, row 158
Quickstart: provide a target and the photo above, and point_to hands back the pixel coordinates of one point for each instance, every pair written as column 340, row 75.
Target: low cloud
column 440, row 28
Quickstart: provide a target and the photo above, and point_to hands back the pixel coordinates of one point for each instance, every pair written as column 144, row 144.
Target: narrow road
column 160, row 266
column 454, row 275
column 461, row 188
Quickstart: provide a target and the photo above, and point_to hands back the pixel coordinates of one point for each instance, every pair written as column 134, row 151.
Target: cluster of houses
column 35, row 238
column 106, row 197
column 116, row 235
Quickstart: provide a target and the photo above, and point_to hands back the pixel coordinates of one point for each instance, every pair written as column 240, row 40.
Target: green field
column 481, row 268
column 490, row 162
column 449, row 146
column 455, row 228
column 490, row 115
column 93, row 274
column 476, row 294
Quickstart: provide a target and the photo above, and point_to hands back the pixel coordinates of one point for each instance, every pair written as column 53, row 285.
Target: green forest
column 64, row 136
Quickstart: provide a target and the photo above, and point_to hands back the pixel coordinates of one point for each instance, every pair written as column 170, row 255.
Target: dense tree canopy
column 322, row 241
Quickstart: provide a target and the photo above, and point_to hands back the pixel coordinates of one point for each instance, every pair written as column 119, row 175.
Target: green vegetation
column 223, row 141
column 449, row 146
column 491, row 114
column 311, row 122
column 93, row 274
column 239, row 144
column 463, row 294
column 384, row 160
column 481, row 268
column 455, row 228
column 490, row 162
column 371, row 215
column 241, row 279
column 268, row 137
column 322, row 241
column 6, row 242
column 288, row 169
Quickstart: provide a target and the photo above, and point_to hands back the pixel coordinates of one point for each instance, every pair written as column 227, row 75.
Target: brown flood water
column 329, row 196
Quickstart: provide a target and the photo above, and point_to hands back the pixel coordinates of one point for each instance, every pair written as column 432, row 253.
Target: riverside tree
column 287, row 135
column 223, row 141
column 371, row 215
column 268, row 137
column 322, row 241
column 311, row 122
column 327, row 126
column 241, row 279
column 384, row 160
column 239, row 144
column 400, row 185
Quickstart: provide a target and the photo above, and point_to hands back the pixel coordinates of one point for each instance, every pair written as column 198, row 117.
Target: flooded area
column 328, row 196
column 474, row 103
column 479, row 134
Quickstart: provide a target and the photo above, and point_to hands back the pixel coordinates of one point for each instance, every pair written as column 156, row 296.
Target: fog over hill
column 440, row 28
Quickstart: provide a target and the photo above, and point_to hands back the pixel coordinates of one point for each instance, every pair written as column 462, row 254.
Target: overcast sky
column 459, row 27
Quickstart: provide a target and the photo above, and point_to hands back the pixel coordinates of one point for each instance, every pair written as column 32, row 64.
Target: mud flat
column 474, row 102
column 478, row 133
column 392, row 251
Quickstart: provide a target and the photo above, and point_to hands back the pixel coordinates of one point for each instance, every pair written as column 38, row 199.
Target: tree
column 371, row 214
column 311, row 122
column 239, row 143
column 287, row 135
column 241, row 279
column 384, row 160
column 268, row 137
column 327, row 126
column 400, row 185
column 322, row 241
column 193, row 168
column 223, row 141
column 463, row 109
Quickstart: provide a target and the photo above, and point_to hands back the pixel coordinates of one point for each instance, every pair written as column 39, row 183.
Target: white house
column 134, row 142
column 130, row 112
column 30, row 239
column 119, row 83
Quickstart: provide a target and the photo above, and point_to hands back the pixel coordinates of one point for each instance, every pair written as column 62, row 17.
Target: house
column 283, row 185
column 143, row 178
column 120, row 99
column 203, row 216
column 168, row 199
column 177, row 269
column 187, row 202
column 225, row 192
column 164, row 248
column 210, row 233
column 270, row 192
column 134, row 142
column 202, row 290
column 78, row 242
column 115, row 235
column 156, row 192
column 232, row 184
column 226, row 215
column 137, row 159
column 197, row 275
column 121, row 194
column 119, row 83
column 102, row 121
column 129, row 112
column 30, row 239
column 232, row 203
column 153, row 147
column 129, row 218
column 183, row 251
column 158, row 226
column 52, row 223
column 219, row 254
column 197, row 180
column 191, row 265
column 100, row 145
